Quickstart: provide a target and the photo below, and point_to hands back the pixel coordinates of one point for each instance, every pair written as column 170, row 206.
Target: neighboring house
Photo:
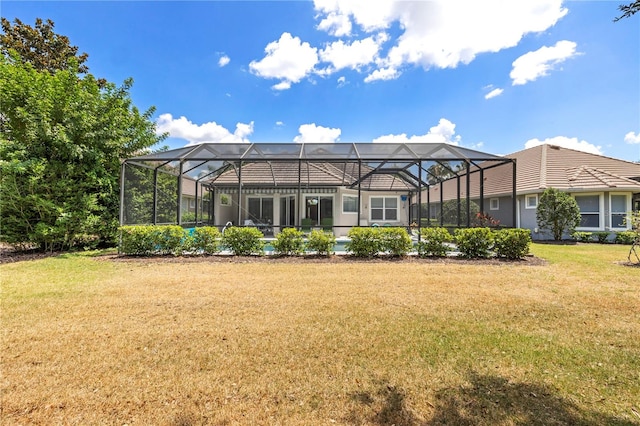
column 606, row 189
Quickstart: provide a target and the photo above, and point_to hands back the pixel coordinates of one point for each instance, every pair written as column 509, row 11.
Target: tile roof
column 547, row 166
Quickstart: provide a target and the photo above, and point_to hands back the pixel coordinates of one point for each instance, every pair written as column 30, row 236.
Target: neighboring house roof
column 550, row 166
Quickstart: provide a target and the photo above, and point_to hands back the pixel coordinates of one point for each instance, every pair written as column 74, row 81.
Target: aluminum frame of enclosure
column 413, row 168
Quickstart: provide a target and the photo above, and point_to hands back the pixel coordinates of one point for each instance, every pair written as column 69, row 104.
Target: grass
column 90, row 341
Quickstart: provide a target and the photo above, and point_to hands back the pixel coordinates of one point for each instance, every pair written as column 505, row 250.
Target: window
column 619, row 210
column 319, row 209
column 384, row 208
column 260, row 209
column 494, row 204
column 589, row 205
column 531, row 201
column 349, row 204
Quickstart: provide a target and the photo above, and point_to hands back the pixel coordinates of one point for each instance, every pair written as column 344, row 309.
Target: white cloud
column 632, row 138
column 223, row 61
column 565, row 142
column 494, row 93
column 279, row 123
column 207, row 132
column 382, row 74
column 355, row 55
column 313, row 133
column 441, row 34
column 444, row 131
column 288, row 59
column 532, row 65
column 342, row 81
column 444, row 34
column 336, row 25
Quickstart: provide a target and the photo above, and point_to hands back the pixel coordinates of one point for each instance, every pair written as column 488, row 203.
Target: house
column 331, row 186
column 606, row 189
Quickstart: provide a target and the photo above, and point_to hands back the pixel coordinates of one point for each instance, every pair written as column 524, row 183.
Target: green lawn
column 90, row 340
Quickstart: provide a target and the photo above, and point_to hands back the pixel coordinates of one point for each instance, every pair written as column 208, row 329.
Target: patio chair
column 327, row 224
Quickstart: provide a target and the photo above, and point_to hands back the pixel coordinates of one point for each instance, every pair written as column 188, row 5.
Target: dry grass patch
column 92, row 341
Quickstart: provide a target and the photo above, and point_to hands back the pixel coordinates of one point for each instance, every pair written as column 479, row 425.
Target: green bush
column 206, row 240
column 289, row 242
column 474, row 242
column 601, row 236
column 583, row 237
column 512, row 243
column 625, row 237
column 321, row 242
column 243, row 241
column 169, row 239
column 395, row 241
column 433, row 242
column 364, row 242
column 137, row 240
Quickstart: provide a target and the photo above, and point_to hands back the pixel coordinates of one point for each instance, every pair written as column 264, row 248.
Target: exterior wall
column 342, row 221
column 527, row 216
column 504, row 213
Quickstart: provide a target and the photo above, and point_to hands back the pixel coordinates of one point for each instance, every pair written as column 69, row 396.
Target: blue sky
column 490, row 75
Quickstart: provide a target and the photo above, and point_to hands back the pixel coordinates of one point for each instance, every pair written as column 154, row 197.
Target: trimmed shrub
column 601, row 236
column 206, row 240
column 321, row 242
column 474, row 243
column 395, row 241
column 433, row 242
column 137, row 240
column 512, row 243
column 289, row 242
column 625, row 237
column 243, row 241
column 168, row 239
column 583, row 237
column 365, row 242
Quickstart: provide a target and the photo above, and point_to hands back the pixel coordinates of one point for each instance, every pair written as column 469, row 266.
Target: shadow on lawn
column 486, row 400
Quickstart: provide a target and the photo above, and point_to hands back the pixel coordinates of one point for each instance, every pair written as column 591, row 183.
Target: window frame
column 626, row 212
column 350, row 196
column 497, row 203
column 384, row 208
column 600, row 211
column 529, row 197
column 261, row 198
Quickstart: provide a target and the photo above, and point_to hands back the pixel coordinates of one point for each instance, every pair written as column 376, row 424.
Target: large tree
column 62, row 137
column 628, row 10
column 40, row 46
column 557, row 212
